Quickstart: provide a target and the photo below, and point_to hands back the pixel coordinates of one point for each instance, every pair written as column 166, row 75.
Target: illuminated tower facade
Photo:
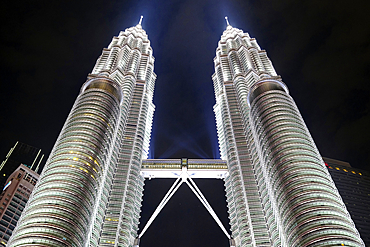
column 279, row 191
column 90, row 191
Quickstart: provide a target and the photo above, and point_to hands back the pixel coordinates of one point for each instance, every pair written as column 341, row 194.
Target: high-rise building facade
column 90, row 190
column 20, row 153
column 13, row 199
column 279, row 191
column 354, row 187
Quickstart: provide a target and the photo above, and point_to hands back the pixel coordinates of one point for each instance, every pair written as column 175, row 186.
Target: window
column 4, row 223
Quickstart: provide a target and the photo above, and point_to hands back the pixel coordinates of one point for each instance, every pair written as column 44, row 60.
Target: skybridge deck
column 172, row 168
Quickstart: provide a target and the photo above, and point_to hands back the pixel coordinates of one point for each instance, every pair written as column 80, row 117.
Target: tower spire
column 141, row 19
column 227, row 21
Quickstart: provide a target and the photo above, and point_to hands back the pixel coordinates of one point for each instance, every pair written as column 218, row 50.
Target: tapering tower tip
column 227, row 21
column 141, row 19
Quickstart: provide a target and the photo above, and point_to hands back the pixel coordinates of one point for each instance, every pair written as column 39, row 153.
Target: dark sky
column 320, row 48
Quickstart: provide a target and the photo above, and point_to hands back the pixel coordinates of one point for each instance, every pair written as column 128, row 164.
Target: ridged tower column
column 278, row 191
column 60, row 209
column 90, row 191
column 309, row 208
column 239, row 63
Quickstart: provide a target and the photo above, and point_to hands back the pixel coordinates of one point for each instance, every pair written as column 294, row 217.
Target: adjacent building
column 19, row 174
column 354, row 187
column 13, row 199
column 20, row 153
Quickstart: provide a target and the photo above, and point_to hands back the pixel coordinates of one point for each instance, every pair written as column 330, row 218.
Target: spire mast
column 227, row 21
column 141, row 19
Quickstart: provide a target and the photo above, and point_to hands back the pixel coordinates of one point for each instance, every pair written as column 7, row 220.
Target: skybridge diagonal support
column 205, row 203
column 161, row 205
column 183, row 177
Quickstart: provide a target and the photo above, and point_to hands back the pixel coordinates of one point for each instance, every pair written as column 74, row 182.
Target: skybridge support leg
column 137, row 242
column 232, row 242
column 161, row 205
column 184, row 178
column 204, row 201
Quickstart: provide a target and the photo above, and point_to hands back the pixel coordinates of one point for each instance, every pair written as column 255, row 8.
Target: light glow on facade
column 90, row 191
column 279, row 191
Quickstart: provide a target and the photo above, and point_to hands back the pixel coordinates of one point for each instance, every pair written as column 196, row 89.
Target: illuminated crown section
column 129, row 58
column 240, row 62
column 238, row 54
column 123, row 53
column 129, row 54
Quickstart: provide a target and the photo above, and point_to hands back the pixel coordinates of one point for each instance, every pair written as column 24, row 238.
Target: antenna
column 227, row 21
column 141, row 19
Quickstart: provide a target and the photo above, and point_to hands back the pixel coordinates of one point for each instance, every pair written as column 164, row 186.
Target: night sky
column 320, row 48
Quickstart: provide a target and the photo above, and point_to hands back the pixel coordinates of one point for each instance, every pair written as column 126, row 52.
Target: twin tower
column 279, row 192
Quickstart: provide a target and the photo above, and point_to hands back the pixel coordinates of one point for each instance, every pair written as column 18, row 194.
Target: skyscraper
column 90, row 190
column 278, row 190
column 20, row 171
column 20, row 153
column 354, row 187
column 13, row 199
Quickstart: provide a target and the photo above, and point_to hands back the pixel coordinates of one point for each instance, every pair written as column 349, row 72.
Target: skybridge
column 173, row 168
column 184, row 170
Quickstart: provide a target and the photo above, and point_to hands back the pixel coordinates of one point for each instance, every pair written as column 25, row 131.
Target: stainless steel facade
column 90, row 190
column 279, row 192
